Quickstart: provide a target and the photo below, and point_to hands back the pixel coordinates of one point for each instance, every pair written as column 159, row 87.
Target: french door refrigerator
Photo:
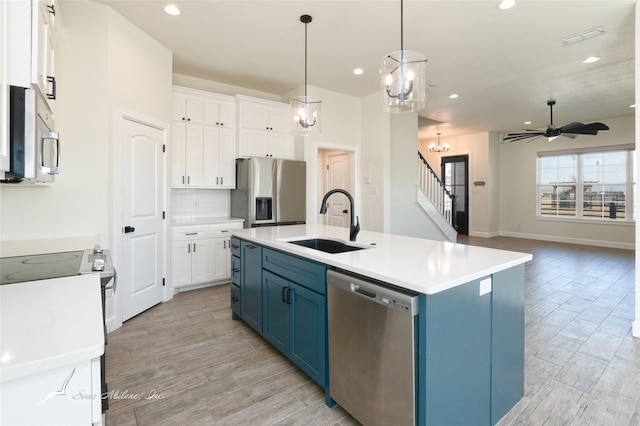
column 269, row 192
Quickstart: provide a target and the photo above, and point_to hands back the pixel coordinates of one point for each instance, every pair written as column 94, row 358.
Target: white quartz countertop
column 424, row 266
column 205, row 220
column 48, row 324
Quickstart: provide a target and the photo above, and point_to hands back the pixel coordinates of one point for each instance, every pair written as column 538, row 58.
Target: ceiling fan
column 570, row 130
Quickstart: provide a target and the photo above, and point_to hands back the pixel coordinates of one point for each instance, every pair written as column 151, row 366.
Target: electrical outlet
column 485, row 286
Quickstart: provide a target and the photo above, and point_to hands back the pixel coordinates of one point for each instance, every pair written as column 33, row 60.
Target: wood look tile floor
column 186, row 362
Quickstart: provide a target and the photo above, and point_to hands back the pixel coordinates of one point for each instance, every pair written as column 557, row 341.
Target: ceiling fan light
column 551, row 138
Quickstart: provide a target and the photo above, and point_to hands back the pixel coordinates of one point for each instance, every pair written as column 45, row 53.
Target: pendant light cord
column 305, row 61
column 401, row 26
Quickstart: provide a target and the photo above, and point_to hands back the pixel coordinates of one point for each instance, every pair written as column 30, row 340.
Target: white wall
column 482, row 150
column 376, row 134
column 407, row 216
column 636, row 324
column 517, row 162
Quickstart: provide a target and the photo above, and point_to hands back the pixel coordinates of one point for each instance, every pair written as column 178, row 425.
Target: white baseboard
column 568, row 240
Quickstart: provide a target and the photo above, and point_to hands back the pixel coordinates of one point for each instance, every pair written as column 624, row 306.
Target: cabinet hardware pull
column 194, row 247
column 234, row 270
column 191, row 233
column 222, row 180
column 235, row 246
column 183, row 180
column 224, row 244
column 289, row 296
column 52, row 9
column 189, row 248
column 284, row 294
column 217, row 180
column 51, row 79
column 188, row 180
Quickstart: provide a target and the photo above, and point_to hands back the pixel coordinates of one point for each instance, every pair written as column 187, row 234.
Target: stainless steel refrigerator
column 269, row 191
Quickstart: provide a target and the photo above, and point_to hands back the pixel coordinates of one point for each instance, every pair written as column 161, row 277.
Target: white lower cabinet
column 200, row 254
column 68, row 395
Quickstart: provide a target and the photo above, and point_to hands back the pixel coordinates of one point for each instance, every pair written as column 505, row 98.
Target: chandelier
column 438, row 148
column 306, row 110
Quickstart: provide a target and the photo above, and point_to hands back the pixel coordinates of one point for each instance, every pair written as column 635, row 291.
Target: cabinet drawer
column 304, row 272
column 235, row 299
column 222, row 230
column 235, row 246
column 235, row 270
column 188, row 233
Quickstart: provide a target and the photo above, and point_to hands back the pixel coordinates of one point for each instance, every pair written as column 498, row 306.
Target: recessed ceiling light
column 453, row 96
column 506, row 4
column 358, row 71
column 591, row 59
column 172, row 9
column 632, row 106
column 527, row 122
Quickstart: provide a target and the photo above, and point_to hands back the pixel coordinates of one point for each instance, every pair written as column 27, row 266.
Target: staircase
column 435, row 199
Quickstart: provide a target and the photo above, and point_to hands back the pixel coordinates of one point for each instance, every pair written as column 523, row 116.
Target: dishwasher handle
column 374, row 292
column 357, row 289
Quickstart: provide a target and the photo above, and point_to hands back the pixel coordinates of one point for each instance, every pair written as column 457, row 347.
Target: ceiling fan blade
column 569, row 135
column 514, row 137
column 583, row 129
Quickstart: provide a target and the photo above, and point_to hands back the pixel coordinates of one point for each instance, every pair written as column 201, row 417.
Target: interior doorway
column 336, row 170
column 455, row 173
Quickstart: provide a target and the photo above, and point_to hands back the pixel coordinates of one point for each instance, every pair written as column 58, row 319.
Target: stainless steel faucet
column 353, row 228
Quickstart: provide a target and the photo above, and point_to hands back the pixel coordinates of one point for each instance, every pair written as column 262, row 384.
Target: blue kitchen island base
column 469, row 331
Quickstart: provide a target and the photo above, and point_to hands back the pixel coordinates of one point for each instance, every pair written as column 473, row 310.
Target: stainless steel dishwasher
column 371, row 350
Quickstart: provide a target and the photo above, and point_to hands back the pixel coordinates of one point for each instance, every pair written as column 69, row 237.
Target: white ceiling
column 503, row 64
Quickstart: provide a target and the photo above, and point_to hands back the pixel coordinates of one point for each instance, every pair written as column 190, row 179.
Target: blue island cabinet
column 471, row 351
column 293, row 305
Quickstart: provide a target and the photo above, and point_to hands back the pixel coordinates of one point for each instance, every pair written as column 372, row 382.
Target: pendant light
column 306, row 110
column 438, row 148
column 402, row 78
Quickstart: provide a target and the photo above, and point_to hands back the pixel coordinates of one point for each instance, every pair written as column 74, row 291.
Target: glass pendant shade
column 306, row 115
column 403, row 81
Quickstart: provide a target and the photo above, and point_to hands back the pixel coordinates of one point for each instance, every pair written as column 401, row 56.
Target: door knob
column 345, row 211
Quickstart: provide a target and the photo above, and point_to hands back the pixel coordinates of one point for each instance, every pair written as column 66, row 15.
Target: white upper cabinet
column 43, row 13
column 4, row 92
column 265, row 128
column 202, row 140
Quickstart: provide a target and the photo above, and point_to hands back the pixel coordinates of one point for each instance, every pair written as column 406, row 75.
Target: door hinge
column 327, row 167
column 163, row 282
column 163, row 216
column 164, row 148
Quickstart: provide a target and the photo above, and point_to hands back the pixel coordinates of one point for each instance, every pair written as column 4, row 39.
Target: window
column 587, row 185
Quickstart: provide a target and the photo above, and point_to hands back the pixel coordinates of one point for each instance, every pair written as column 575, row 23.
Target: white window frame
column 630, row 210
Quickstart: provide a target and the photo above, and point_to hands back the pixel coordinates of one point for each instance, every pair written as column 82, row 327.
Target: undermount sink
column 327, row 246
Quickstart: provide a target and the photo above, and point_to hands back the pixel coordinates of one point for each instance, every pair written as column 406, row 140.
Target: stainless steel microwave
column 34, row 146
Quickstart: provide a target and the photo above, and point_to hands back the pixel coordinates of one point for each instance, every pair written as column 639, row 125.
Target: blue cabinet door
column 309, row 333
column 277, row 293
column 251, row 284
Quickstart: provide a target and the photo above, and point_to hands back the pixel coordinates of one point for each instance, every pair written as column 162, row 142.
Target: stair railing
column 435, row 189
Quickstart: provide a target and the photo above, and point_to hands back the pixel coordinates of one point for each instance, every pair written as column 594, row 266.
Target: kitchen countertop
column 184, row 221
column 424, row 266
column 49, row 324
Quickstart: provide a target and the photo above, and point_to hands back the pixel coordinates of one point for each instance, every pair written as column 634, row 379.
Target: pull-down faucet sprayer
column 354, row 228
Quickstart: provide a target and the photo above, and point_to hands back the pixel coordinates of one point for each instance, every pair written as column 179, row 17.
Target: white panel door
column 339, row 210
column 140, row 275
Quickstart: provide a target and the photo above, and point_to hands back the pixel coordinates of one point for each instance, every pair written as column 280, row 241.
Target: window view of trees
column 586, row 185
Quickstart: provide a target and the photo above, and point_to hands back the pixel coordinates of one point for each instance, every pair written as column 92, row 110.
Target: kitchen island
column 470, row 326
